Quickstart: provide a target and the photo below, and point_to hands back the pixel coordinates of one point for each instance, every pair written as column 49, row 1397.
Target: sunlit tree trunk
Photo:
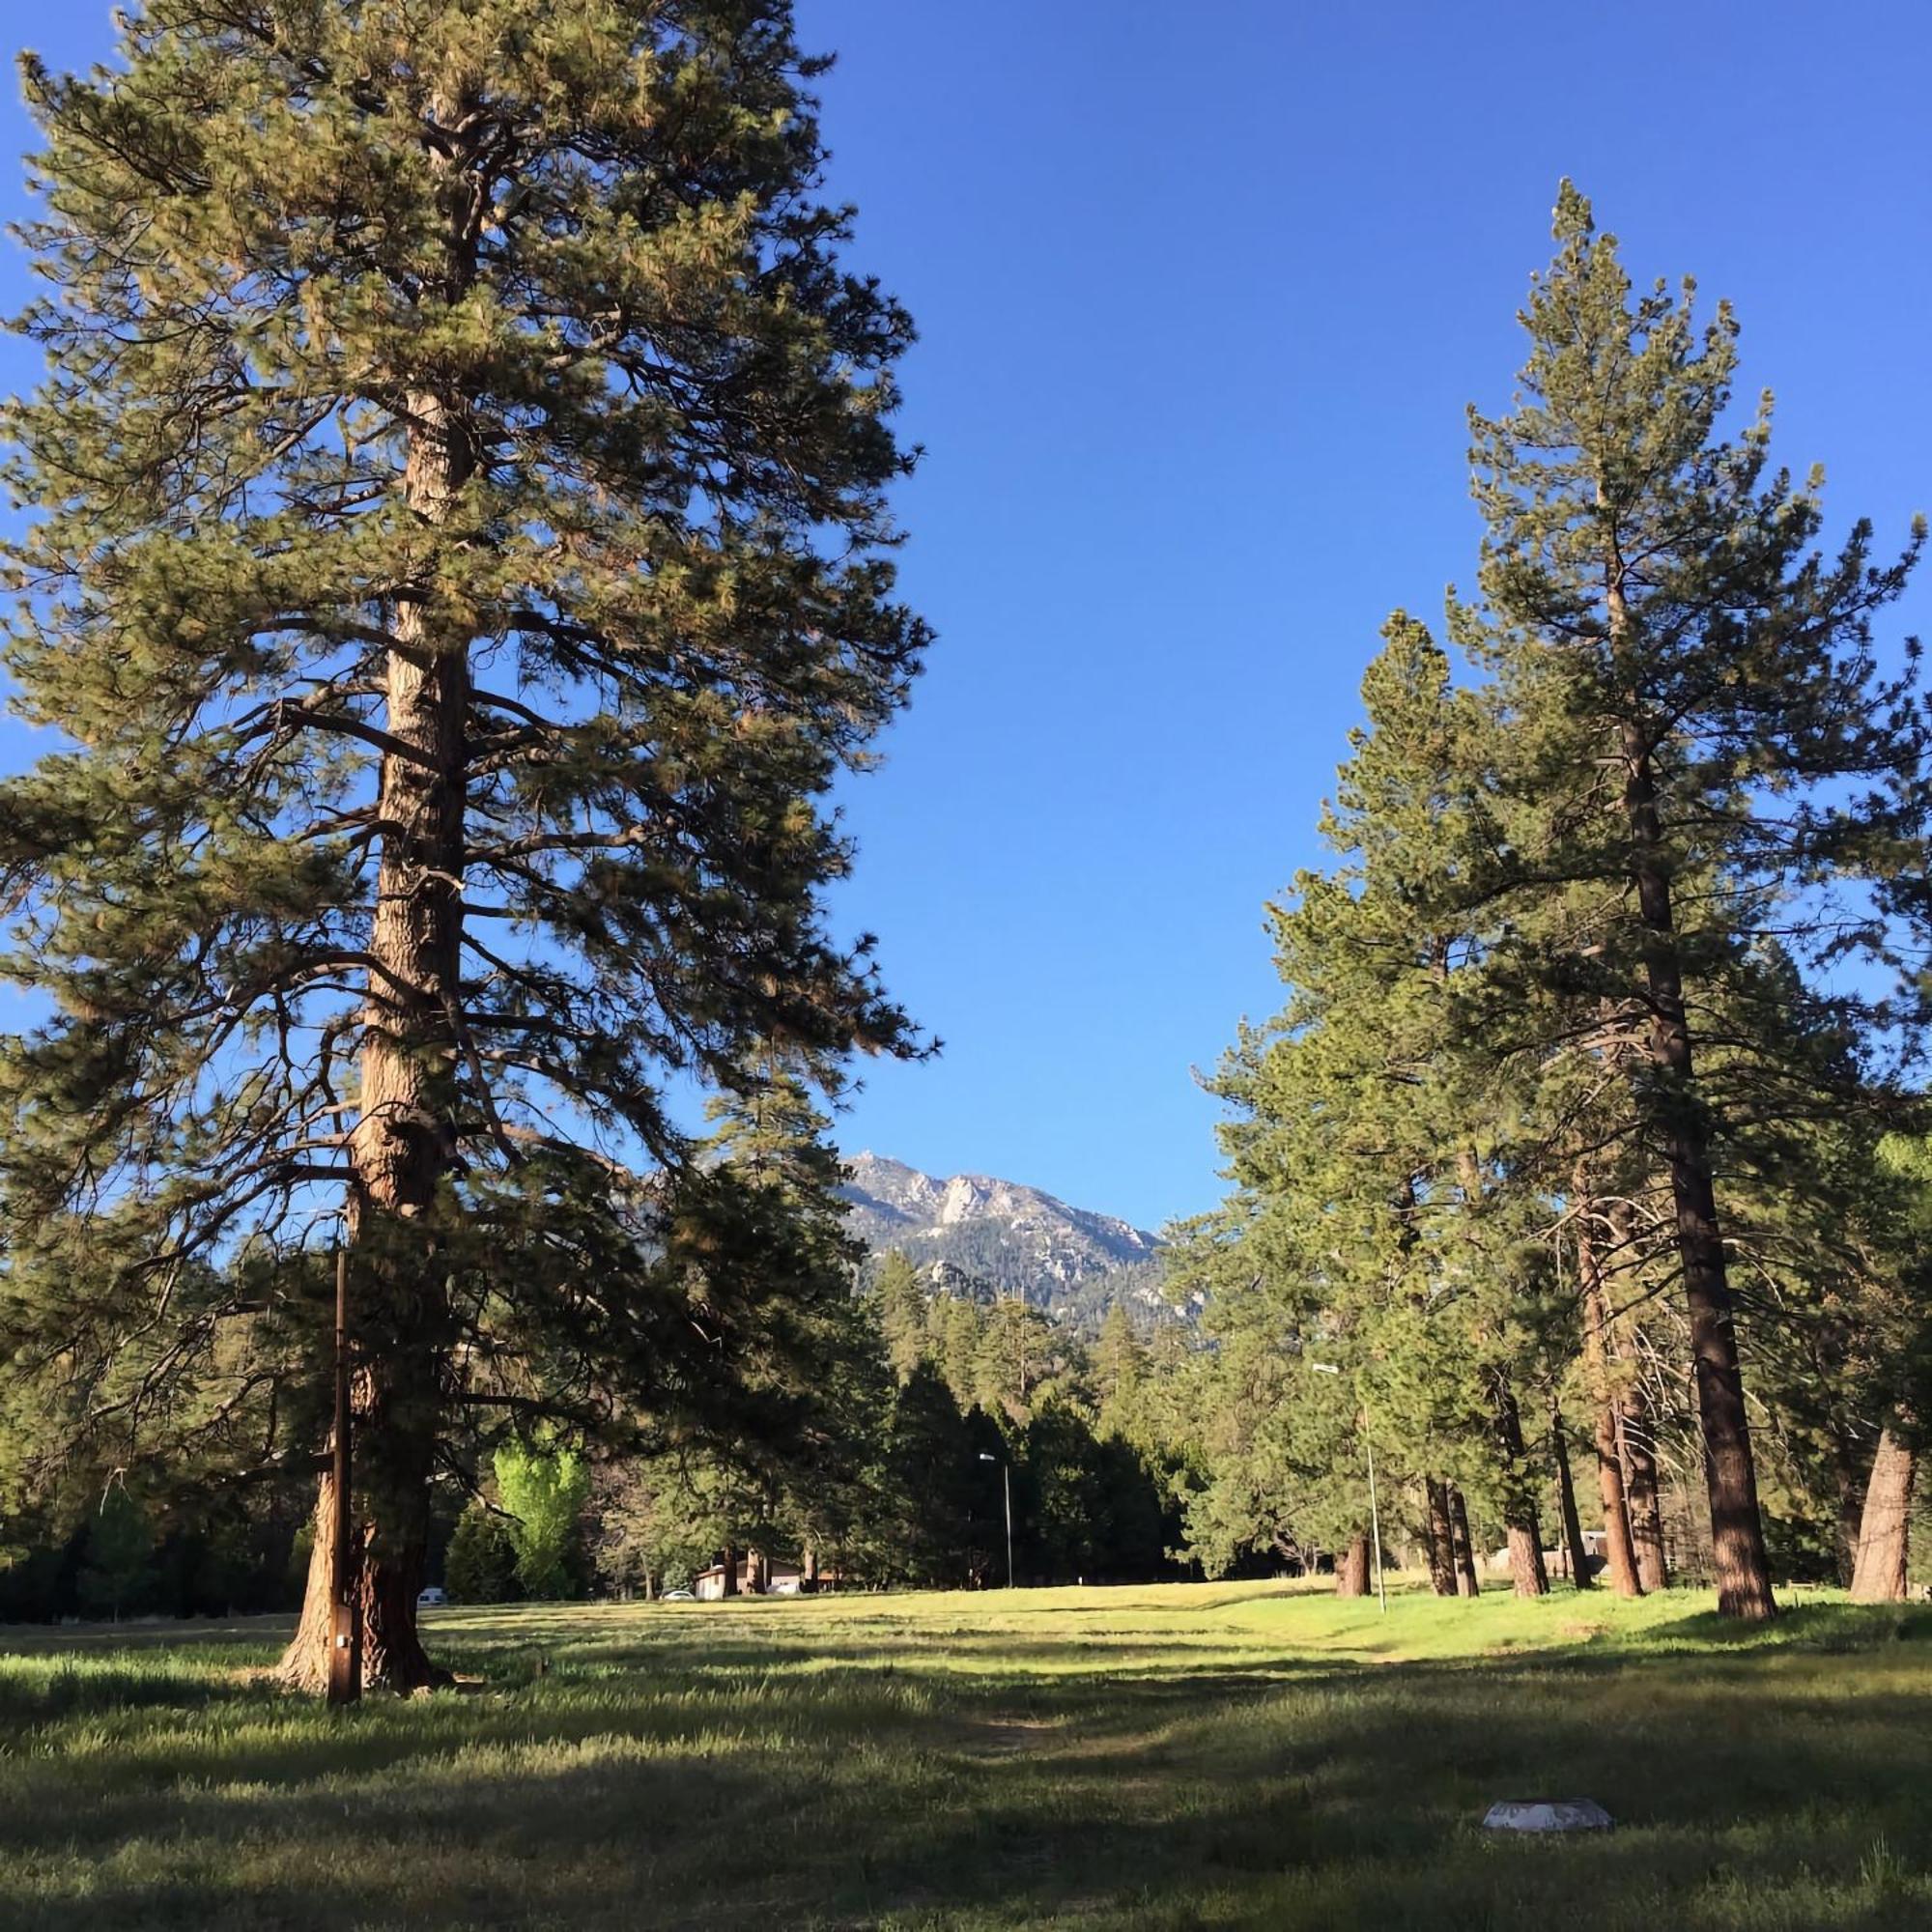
column 1352, row 1573
column 1879, row 1575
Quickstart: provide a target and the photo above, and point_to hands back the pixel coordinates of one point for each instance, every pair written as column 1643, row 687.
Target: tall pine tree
column 1697, row 733
column 458, row 569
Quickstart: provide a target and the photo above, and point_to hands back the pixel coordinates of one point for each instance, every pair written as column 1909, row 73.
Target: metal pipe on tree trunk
column 345, row 1635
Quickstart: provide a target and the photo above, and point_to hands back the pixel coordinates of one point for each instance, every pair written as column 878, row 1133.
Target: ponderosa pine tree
column 1371, row 1222
column 1689, row 694
column 458, row 568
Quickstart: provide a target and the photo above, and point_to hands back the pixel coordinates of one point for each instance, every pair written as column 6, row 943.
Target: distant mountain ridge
column 1010, row 1238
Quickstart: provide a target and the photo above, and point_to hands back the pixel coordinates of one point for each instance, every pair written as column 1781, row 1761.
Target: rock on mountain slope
column 1015, row 1239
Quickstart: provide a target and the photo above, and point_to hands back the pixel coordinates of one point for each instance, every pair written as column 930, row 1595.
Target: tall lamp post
column 1007, row 1486
column 1375, row 1510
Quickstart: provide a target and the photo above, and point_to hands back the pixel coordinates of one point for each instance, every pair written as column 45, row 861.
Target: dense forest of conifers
column 455, row 569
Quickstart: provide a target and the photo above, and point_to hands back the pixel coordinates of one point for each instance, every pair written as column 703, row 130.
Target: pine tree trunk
column 1467, row 1582
column 1619, row 1545
column 1524, row 1534
column 386, row 1575
column 1441, row 1539
column 1352, row 1574
column 1566, row 1492
column 1884, row 1528
column 1636, row 1439
column 1739, row 1557
column 1850, row 1495
column 403, row 1148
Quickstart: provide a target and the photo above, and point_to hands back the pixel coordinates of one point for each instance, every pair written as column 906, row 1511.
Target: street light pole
column 1006, row 1487
column 1374, row 1512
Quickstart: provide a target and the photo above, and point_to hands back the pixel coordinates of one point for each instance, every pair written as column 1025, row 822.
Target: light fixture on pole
column 1006, row 1485
column 1375, row 1510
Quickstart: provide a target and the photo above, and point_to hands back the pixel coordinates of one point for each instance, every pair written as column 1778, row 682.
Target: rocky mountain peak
column 1017, row 1240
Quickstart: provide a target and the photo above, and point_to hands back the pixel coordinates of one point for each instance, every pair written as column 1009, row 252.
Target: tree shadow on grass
column 1348, row 1803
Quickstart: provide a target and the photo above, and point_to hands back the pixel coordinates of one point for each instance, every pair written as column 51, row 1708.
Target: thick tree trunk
column 1619, row 1545
column 1566, row 1492
column 1523, row 1533
column 1879, row 1575
column 1441, row 1539
column 388, row 1565
column 730, row 1589
column 402, row 1149
column 1677, row 1128
column 1467, row 1582
column 1352, row 1573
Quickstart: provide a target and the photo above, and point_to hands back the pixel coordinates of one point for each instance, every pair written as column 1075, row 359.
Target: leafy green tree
column 542, row 1490
column 459, row 568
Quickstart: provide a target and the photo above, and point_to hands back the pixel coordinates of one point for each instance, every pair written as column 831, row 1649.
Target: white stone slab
column 1547, row 1814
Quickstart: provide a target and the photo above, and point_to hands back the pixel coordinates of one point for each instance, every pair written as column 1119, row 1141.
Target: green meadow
column 1231, row 1755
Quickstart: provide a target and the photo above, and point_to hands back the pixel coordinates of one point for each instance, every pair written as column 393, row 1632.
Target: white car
column 677, row 1597
column 432, row 1598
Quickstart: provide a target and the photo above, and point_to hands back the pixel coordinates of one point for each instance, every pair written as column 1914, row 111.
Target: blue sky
column 1202, row 296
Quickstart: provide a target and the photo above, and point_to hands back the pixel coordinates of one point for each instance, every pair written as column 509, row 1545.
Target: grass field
column 1190, row 1756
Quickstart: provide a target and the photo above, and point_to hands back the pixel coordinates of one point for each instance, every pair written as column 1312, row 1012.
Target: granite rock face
column 1003, row 1238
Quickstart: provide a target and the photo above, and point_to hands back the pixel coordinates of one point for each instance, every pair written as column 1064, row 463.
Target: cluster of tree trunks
column 1452, row 1557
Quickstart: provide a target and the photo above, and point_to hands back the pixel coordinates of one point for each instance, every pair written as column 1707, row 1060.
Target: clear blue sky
column 1202, row 296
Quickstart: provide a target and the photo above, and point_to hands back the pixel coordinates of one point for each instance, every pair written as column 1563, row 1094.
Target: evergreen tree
column 117, row 1555
column 458, row 571
column 1374, row 1220
column 899, row 1292
column 480, row 1566
column 1695, row 737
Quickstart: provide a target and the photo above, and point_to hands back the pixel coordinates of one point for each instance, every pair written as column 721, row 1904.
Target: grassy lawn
column 1189, row 1756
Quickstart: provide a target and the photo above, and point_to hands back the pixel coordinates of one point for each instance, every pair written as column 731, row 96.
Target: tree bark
column 1636, row 1440
column 731, row 1586
column 1678, row 1128
column 1566, row 1491
column 1524, row 1534
column 1352, row 1573
column 1619, row 1545
column 1879, row 1575
column 1850, row 1494
column 1467, row 1582
column 1441, row 1539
